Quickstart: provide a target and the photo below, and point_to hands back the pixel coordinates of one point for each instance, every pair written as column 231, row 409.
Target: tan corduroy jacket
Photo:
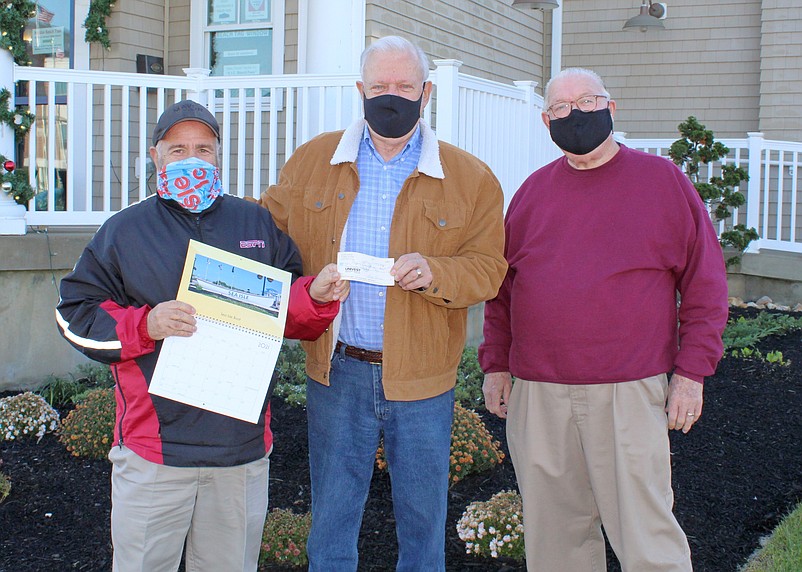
column 449, row 210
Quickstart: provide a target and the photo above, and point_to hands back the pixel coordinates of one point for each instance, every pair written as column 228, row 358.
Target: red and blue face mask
column 192, row 183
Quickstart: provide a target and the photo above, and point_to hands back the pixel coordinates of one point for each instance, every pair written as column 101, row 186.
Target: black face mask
column 392, row 116
column 581, row 132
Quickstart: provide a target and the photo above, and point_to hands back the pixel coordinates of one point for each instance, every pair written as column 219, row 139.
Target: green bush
column 291, row 370
column 88, row 430
column 284, row 538
column 65, row 392
column 472, row 447
column 5, row 486
column 470, row 377
column 26, row 414
column 747, row 332
column 494, row 527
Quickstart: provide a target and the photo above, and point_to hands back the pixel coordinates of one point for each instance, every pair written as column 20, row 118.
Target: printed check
column 365, row 268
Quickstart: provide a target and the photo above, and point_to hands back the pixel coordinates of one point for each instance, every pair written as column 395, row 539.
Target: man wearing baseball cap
column 181, row 476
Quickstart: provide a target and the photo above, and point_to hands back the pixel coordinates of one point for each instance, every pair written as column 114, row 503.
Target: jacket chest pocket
column 318, row 219
column 444, row 223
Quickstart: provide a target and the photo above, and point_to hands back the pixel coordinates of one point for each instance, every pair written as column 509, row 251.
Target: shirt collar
column 414, row 141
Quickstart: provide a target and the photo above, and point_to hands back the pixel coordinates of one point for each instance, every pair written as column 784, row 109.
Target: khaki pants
column 219, row 511
column 587, row 455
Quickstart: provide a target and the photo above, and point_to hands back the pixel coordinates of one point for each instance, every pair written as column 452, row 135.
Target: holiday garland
column 14, row 14
column 15, row 181
column 95, row 23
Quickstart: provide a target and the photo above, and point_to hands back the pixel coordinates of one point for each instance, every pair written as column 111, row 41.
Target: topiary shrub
column 88, row 430
column 284, row 538
column 472, row 447
column 26, row 414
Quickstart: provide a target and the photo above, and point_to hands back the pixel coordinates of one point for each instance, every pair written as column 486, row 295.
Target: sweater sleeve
column 494, row 350
column 702, row 285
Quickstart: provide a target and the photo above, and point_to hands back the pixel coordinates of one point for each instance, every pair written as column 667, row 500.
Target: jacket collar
column 428, row 164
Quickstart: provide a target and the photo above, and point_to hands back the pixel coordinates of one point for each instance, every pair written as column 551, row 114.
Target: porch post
column 448, row 100
column 12, row 215
column 755, row 143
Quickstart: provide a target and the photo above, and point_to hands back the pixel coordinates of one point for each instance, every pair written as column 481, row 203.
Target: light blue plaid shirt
column 368, row 232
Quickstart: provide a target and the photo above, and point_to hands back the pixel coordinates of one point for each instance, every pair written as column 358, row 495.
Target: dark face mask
column 392, row 116
column 581, row 132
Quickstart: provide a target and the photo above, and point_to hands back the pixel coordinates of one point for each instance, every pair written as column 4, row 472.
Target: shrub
column 746, row 332
column 88, row 430
column 494, row 527
column 5, row 485
column 291, row 370
column 470, row 377
column 472, row 447
column 721, row 194
column 284, row 538
column 26, row 414
column 61, row 392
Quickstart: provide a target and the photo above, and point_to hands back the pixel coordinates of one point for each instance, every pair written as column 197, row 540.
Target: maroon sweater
column 596, row 258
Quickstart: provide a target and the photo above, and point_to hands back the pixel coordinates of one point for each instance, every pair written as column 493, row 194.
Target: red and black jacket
column 133, row 263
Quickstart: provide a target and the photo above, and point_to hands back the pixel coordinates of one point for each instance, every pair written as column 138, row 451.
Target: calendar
column 227, row 364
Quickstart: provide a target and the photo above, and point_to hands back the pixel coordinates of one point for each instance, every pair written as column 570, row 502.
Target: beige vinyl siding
column 290, row 36
column 492, row 39
column 134, row 28
column 705, row 63
column 781, row 71
column 178, row 41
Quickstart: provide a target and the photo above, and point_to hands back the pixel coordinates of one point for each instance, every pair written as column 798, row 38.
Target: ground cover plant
column 736, row 475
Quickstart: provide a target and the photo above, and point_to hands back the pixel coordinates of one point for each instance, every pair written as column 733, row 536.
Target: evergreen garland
column 15, row 182
column 95, row 23
column 14, row 14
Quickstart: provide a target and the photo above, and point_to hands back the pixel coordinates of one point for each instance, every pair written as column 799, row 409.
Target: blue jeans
column 346, row 420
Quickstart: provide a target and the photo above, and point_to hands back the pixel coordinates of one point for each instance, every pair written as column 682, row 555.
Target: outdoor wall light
column 548, row 5
column 651, row 16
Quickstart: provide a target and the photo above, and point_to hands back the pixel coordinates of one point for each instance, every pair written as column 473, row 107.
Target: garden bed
column 735, row 475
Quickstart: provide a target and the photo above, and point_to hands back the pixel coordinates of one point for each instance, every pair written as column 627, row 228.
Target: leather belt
column 374, row 357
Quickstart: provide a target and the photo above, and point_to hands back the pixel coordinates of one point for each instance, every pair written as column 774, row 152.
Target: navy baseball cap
column 186, row 110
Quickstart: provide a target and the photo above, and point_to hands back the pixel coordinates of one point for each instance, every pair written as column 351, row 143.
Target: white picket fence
column 93, row 133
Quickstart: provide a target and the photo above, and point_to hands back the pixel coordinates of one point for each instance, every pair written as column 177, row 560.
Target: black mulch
column 735, row 475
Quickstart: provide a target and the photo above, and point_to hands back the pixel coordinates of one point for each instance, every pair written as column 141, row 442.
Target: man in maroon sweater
column 600, row 243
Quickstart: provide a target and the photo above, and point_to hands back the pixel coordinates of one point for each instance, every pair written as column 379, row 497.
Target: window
column 241, row 36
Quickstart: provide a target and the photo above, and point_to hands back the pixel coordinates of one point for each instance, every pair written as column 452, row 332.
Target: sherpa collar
column 428, row 164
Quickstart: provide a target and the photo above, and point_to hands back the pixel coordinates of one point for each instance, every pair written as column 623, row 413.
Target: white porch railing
column 773, row 198
column 93, row 129
column 90, row 153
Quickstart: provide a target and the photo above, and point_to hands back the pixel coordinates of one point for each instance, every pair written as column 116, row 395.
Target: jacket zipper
column 125, row 404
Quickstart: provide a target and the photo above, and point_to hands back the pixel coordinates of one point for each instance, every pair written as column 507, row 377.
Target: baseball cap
column 186, row 110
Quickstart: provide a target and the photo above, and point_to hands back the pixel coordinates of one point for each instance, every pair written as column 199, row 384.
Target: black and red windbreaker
column 133, row 263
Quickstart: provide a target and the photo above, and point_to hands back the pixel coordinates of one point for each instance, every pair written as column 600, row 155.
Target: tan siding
column 135, row 27
column 705, row 63
column 178, row 56
column 781, row 71
column 492, row 39
column 291, row 36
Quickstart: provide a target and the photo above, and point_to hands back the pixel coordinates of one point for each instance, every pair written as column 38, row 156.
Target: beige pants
column 219, row 511
column 587, row 455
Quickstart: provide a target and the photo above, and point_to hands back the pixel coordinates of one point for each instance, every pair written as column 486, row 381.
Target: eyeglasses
column 586, row 104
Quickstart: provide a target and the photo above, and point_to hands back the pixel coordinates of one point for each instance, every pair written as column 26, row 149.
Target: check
column 365, row 268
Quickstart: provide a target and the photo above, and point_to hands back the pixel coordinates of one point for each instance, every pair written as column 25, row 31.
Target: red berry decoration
column 9, row 165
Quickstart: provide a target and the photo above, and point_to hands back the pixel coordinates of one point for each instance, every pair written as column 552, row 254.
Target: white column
column 447, row 81
column 12, row 215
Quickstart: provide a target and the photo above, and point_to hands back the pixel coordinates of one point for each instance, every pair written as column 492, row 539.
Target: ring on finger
column 418, row 271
